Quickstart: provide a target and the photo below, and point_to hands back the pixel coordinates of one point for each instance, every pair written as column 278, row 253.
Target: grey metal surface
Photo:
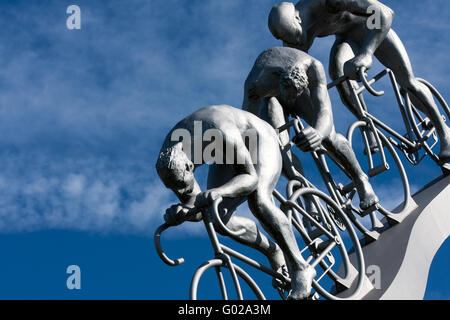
column 285, row 87
column 268, row 95
column 254, row 181
column 356, row 44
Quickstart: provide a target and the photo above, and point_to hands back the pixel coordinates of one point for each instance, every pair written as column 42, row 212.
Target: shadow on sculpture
column 315, row 233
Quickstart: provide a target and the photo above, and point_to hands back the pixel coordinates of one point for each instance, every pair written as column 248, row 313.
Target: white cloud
column 82, row 114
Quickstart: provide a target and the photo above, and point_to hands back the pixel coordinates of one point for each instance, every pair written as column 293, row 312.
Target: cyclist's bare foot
column 276, row 259
column 302, row 283
column 366, row 194
column 277, row 283
column 278, row 264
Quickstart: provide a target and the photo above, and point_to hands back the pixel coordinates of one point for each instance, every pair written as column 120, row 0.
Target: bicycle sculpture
column 320, row 239
column 419, row 132
column 321, row 231
column 419, row 128
column 316, row 229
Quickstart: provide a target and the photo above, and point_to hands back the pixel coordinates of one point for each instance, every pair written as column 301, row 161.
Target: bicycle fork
column 367, row 121
column 220, row 254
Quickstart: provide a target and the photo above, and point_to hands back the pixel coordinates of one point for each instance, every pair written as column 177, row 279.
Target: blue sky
column 83, row 114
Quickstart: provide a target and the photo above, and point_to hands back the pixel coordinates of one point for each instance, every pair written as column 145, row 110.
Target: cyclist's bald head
column 172, row 163
column 280, row 18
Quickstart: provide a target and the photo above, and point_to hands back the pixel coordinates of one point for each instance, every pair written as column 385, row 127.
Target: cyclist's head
column 176, row 170
column 285, row 24
column 292, row 83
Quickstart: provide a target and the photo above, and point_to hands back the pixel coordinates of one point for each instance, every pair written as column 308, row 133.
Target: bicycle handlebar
column 362, row 76
column 159, row 249
column 220, row 222
column 165, row 226
column 337, row 82
column 157, row 241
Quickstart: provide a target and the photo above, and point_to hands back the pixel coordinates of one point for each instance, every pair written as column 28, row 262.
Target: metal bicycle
column 414, row 144
column 342, row 195
column 321, row 241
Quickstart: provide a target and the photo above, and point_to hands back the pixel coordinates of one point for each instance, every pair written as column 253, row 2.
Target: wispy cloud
column 83, row 113
column 78, row 195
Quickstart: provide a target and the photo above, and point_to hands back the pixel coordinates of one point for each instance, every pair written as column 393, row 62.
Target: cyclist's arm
column 323, row 121
column 366, row 8
column 245, row 180
column 189, row 200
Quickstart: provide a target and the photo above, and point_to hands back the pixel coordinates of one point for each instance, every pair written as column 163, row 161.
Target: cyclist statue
column 356, row 42
column 251, row 176
column 286, row 81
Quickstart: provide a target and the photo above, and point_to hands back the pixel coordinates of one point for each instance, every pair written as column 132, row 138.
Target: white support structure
column 405, row 252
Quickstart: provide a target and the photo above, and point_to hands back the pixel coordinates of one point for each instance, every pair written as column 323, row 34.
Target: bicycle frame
column 221, row 252
column 336, row 191
column 405, row 143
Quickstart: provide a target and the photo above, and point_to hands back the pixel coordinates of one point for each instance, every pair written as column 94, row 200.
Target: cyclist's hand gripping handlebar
column 191, row 212
column 363, row 78
column 157, row 240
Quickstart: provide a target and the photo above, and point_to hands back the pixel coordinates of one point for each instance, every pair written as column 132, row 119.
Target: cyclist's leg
column 275, row 222
column 343, row 51
column 393, row 55
column 340, row 150
column 274, row 114
column 253, row 237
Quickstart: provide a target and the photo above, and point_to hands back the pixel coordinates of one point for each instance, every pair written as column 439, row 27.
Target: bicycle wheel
column 388, row 179
column 326, row 245
column 218, row 265
column 308, row 203
column 421, row 125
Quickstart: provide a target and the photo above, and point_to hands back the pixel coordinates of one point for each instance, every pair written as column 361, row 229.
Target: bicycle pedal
column 373, row 150
column 347, row 188
column 369, row 210
column 378, row 169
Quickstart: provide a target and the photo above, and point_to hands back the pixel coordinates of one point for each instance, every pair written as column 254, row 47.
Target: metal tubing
column 223, row 288
column 159, row 249
column 323, row 254
column 254, row 264
column 367, row 84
